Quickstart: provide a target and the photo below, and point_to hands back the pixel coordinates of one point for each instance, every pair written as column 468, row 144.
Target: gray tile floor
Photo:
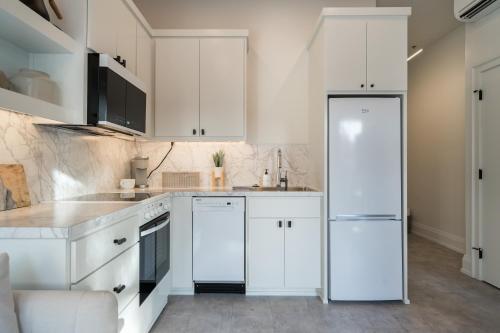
column 443, row 300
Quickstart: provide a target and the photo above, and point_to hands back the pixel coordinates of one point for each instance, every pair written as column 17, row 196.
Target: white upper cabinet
column 346, row 50
column 222, row 87
column 126, row 40
column 145, row 72
column 365, row 49
column 387, row 52
column 200, row 87
column 177, row 87
column 102, row 26
column 112, row 30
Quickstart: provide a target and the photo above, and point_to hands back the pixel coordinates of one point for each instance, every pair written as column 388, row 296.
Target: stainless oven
column 154, row 254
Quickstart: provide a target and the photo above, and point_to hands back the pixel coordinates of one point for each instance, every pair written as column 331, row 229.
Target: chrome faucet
column 280, row 180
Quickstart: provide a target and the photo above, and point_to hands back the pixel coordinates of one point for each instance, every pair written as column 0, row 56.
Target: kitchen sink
column 273, row 189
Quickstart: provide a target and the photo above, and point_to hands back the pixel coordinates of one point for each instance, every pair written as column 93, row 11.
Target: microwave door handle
column 155, row 229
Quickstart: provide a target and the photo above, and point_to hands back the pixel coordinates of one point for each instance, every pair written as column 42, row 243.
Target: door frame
column 476, row 230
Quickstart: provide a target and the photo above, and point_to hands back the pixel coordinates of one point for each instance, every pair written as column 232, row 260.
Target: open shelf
column 13, row 101
column 26, row 29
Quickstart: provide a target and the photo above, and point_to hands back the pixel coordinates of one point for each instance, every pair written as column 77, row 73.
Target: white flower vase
column 218, row 172
column 218, row 177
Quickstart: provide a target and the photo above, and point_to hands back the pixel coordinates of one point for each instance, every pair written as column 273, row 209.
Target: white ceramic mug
column 127, row 184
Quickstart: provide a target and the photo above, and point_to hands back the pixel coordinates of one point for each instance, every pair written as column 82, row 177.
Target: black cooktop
column 127, row 196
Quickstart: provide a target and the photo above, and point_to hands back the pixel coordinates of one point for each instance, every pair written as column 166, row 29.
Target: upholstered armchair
column 54, row 311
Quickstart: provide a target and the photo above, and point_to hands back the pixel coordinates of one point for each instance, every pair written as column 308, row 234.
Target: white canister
column 35, row 84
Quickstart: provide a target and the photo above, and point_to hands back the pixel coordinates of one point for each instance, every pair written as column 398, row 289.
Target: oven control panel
column 155, row 209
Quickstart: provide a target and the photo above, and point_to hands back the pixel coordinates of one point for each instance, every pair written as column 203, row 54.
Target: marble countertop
column 72, row 219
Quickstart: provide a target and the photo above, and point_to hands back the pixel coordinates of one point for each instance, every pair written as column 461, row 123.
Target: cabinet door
column 145, row 72
column 266, row 253
column 126, row 42
column 181, row 244
column 177, row 87
column 222, row 87
column 345, row 46
column 102, row 26
column 387, row 53
column 302, row 253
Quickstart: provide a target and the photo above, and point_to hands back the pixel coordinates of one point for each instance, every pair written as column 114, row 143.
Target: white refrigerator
column 365, row 176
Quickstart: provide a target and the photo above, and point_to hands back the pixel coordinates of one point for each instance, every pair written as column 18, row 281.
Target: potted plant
column 218, row 158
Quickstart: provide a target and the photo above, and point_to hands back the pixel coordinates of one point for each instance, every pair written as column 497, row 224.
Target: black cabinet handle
column 202, row 131
column 372, row 85
column 118, row 59
column 194, row 131
column 119, row 289
column 289, row 224
column 124, row 63
column 362, row 85
column 280, row 224
column 120, row 241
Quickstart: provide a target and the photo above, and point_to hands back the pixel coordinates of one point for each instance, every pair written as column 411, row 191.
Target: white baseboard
column 467, row 265
column 453, row 242
column 283, row 292
column 182, row 291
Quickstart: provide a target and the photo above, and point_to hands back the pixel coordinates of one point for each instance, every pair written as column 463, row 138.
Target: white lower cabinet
column 284, row 253
column 130, row 319
column 119, row 276
column 266, row 257
column 181, row 246
column 303, row 253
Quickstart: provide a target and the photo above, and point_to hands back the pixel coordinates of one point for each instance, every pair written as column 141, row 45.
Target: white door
column 345, row 54
column 126, row 42
column 177, row 87
column 387, row 53
column 490, row 185
column 365, row 157
column 102, row 26
column 366, row 260
column 302, row 253
column 222, row 87
column 145, row 72
column 266, row 242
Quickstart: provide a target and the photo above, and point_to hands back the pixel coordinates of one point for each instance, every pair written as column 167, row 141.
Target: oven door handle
column 155, row 229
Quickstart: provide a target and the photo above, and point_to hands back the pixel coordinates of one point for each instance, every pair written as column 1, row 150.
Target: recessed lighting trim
column 415, row 54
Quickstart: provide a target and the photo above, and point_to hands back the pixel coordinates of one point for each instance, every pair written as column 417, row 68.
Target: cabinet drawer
column 91, row 252
column 121, row 271
column 284, row 207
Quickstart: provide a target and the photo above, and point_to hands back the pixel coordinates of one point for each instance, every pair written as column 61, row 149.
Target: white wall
column 482, row 45
column 436, row 138
column 277, row 61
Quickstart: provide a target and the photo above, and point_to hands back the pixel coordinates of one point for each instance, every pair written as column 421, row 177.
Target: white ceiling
column 430, row 20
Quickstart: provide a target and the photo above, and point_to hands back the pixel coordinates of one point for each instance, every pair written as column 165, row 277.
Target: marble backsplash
column 61, row 164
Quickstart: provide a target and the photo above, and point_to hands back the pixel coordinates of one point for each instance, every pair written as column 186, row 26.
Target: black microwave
column 116, row 99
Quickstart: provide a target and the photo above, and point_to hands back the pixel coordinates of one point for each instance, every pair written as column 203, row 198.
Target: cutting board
column 14, row 191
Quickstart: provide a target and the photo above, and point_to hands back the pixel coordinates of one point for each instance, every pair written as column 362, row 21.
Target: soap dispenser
column 266, row 179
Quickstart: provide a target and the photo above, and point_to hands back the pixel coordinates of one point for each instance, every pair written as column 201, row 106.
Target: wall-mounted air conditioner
column 473, row 10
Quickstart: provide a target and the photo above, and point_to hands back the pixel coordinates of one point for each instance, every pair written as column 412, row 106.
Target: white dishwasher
column 219, row 244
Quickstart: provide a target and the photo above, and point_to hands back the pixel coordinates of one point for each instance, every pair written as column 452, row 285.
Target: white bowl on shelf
column 36, row 84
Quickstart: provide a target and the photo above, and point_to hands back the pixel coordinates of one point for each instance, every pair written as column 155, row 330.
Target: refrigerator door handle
column 358, row 217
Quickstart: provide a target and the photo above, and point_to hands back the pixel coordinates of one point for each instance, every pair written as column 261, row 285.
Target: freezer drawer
column 366, row 260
